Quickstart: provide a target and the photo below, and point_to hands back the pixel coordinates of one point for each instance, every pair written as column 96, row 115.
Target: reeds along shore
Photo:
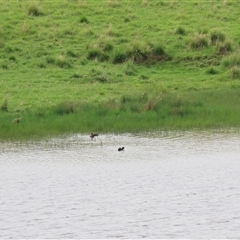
column 189, row 111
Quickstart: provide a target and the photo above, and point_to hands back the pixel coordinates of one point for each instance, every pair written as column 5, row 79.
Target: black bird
column 120, row 149
column 92, row 135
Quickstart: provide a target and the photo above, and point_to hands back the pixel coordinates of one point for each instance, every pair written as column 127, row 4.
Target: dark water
column 164, row 185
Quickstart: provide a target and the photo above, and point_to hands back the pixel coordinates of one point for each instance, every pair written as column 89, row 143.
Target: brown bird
column 17, row 120
column 92, row 135
column 120, row 149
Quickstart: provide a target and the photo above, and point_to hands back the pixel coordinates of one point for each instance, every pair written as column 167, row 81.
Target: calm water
column 164, row 185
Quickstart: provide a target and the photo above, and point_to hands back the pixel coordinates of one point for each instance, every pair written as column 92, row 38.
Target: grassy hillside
column 174, row 62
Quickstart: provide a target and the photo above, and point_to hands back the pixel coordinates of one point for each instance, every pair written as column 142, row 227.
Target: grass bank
column 188, row 110
column 117, row 66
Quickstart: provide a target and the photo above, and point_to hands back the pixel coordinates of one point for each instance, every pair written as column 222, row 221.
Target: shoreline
column 192, row 110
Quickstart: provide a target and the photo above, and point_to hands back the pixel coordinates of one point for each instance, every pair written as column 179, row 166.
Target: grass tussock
column 236, row 72
column 199, row 41
column 113, row 3
column 224, row 47
column 97, row 55
column 212, row 70
column 181, row 30
column 217, row 36
column 137, row 52
column 231, row 60
column 4, row 106
column 35, row 10
column 84, row 19
column 60, row 61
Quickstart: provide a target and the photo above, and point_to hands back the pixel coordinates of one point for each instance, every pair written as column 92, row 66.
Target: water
column 164, row 185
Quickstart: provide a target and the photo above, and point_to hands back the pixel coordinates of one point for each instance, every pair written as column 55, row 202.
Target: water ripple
column 164, row 185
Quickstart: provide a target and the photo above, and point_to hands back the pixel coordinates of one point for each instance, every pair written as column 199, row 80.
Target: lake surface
column 164, row 185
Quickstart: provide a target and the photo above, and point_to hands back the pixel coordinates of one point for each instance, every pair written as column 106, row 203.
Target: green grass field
column 118, row 66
